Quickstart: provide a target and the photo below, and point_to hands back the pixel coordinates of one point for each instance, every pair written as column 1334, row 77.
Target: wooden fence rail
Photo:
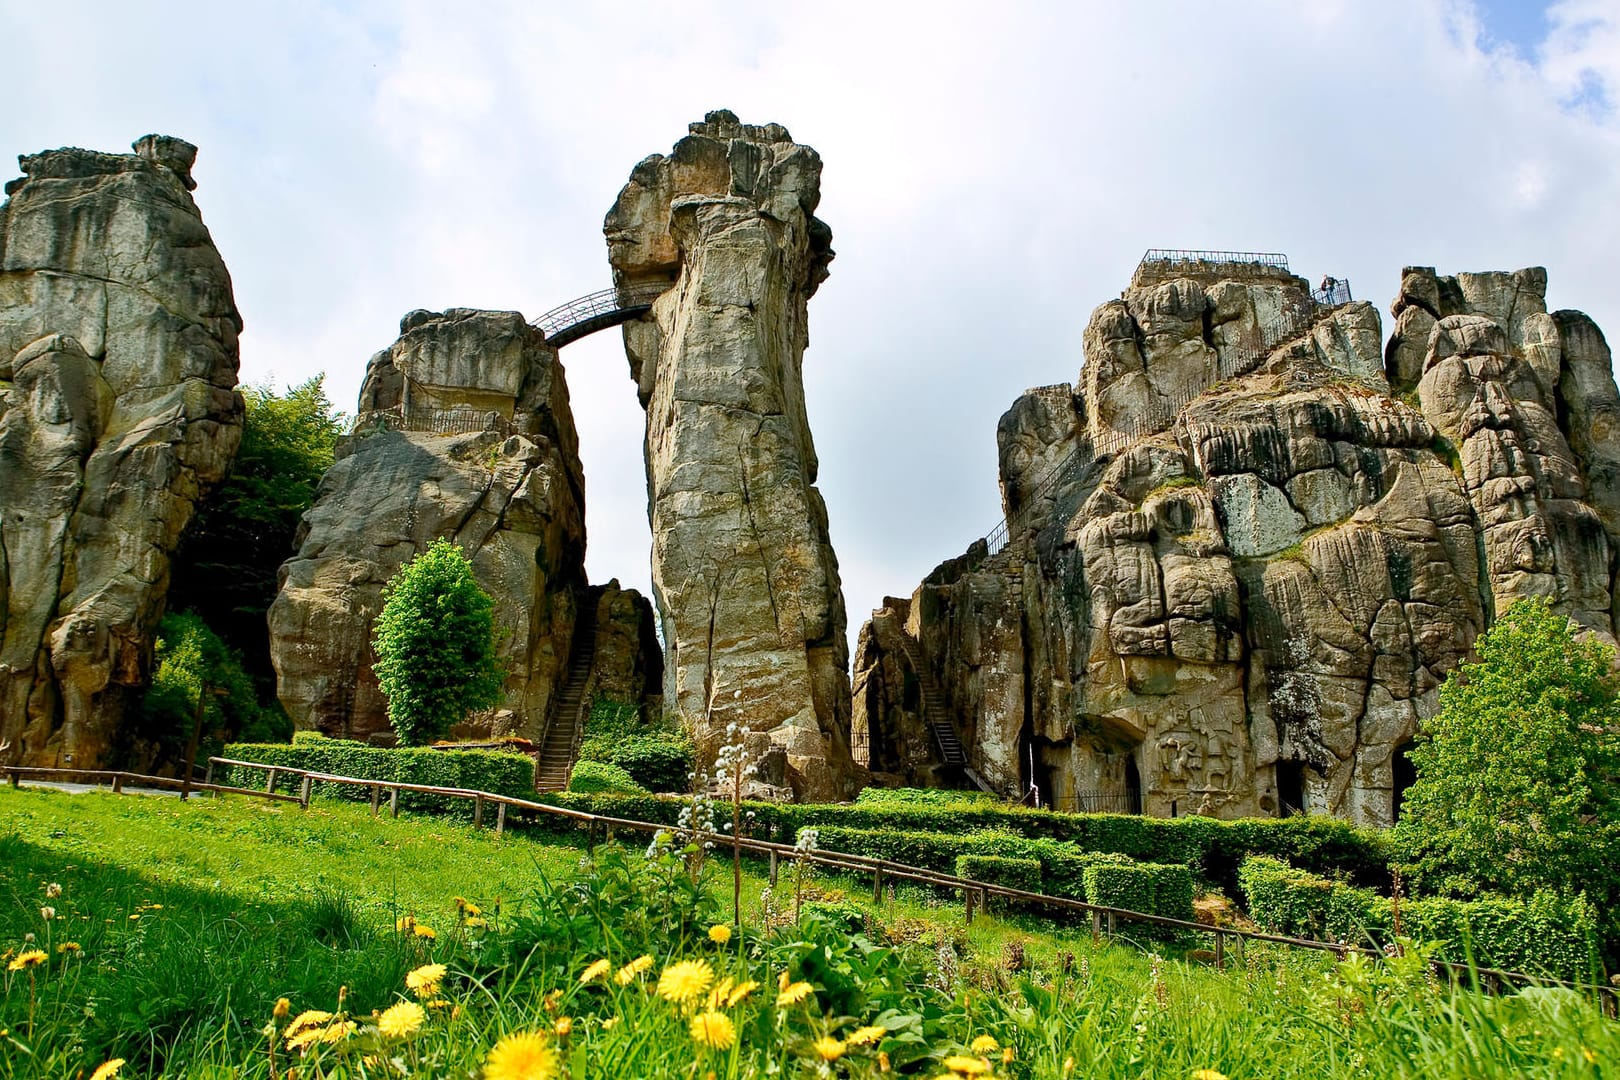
column 975, row 894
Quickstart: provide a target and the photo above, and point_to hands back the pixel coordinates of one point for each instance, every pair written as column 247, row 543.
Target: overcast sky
column 992, row 173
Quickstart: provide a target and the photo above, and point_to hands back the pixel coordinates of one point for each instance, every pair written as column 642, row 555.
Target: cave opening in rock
column 1133, row 786
column 1405, row 775
column 1290, row 788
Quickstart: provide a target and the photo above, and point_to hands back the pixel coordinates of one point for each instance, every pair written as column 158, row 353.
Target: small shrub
column 1022, row 874
column 592, row 777
column 655, row 762
column 1151, row 888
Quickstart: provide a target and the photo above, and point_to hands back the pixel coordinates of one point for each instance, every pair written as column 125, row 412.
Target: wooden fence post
column 967, row 903
column 208, row 777
column 393, row 802
column 1220, row 951
column 16, row 778
column 303, row 795
column 376, row 797
column 1110, row 924
column 1096, row 926
column 118, row 782
column 478, row 811
column 773, row 868
column 500, row 820
column 877, row 885
column 270, row 779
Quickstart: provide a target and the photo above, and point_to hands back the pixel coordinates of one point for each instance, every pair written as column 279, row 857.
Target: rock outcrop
column 118, row 413
column 1239, row 565
column 744, row 575
column 463, row 431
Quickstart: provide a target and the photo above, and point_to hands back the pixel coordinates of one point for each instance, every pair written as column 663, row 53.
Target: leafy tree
column 435, row 645
column 1518, row 777
column 225, row 568
column 193, row 664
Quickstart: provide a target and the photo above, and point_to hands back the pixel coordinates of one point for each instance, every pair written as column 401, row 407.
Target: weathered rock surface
column 628, row 666
column 118, row 413
column 1239, row 565
column 744, row 575
column 464, row 431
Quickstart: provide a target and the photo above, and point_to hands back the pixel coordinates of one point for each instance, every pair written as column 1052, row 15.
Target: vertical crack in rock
column 757, row 638
column 118, row 414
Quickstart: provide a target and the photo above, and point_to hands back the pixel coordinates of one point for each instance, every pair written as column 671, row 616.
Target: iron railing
column 598, row 311
column 452, row 421
column 1265, row 258
column 1098, row 802
column 1334, row 291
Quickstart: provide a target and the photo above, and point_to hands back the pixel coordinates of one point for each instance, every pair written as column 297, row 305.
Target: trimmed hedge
column 497, row 772
column 1213, row 849
column 1152, row 888
column 921, row 797
column 1013, row 873
column 1545, row 935
column 601, row 776
column 654, row 762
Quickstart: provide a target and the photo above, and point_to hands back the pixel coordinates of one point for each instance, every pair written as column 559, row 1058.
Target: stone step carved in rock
column 567, row 723
column 935, row 715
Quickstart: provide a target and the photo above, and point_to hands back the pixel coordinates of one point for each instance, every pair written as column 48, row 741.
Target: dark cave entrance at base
column 1290, row 788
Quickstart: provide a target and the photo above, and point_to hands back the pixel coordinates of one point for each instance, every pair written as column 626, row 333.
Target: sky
column 991, row 174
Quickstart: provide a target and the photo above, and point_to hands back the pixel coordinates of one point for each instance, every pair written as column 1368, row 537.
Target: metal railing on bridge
column 452, row 421
column 598, row 311
column 1275, row 259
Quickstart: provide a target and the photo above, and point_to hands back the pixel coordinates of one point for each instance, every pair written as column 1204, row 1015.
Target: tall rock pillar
column 118, row 414
column 743, row 570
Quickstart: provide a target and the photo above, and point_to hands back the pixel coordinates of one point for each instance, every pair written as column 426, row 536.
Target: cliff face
column 463, row 431
column 118, row 413
column 1239, row 565
column 744, row 575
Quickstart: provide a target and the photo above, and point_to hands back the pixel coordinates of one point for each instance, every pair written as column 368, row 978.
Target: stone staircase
column 935, row 715
column 568, row 707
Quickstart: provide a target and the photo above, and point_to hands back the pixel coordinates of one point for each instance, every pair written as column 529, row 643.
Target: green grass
column 240, row 903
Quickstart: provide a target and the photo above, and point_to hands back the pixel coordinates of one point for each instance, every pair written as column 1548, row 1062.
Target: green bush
column 1544, row 934
column 497, row 772
column 1013, row 873
column 658, row 761
column 1152, row 888
column 919, row 797
column 599, row 776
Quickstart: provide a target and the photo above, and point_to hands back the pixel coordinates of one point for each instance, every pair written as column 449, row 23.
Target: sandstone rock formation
column 463, row 431
column 1239, row 565
column 744, row 575
column 628, row 665
column 118, row 413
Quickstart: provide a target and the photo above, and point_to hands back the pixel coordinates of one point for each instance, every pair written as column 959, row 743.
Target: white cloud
column 991, row 175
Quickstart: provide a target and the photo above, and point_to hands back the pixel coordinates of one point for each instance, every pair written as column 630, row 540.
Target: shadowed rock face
column 118, row 413
column 743, row 572
column 1251, row 598
column 463, row 431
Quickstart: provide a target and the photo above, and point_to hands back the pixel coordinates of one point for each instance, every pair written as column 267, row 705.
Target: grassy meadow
column 421, row 948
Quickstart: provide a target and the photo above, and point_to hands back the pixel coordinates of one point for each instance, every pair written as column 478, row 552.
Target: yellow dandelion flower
column 634, row 970
column 107, row 1069
column 333, row 1033
column 719, row 933
column 423, row 931
column 783, row 979
column 597, row 970
column 714, row 1030
column 829, row 1048
column 309, row 1018
column 473, row 911
column 963, row 1065
column 740, row 992
column 1208, row 1074
column 522, row 1055
column 437, row 1003
column 1586, row 1052
column 476, row 923
column 685, row 981
column 722, row 990
column 401, row 1021
column 404, row 923
column 424, row 981
column 1068, row 1065
column 984, row 1044
column 26, row 959
column 793, row 993
column 883, row 1061
column 69, row 947
column 283, row 1007
column 610, row 1023
column 1007, row 1055
column 867, row 1036
column 552, row 1000
column 564, row 1026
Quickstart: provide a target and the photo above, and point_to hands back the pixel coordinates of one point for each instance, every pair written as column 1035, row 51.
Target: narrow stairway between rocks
column 568, row 708
column 937, row 717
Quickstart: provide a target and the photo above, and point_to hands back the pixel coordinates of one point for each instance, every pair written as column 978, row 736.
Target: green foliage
column 877, row 796
column 658, row 757
column 494, row 771
column 600, row 776
column 225, row 567
column 192, row 663
column 1542, row 934
column 1153, row 888
column 1013, row 873
column 1518, row 776
column 1213, row 849
column 435, row 645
